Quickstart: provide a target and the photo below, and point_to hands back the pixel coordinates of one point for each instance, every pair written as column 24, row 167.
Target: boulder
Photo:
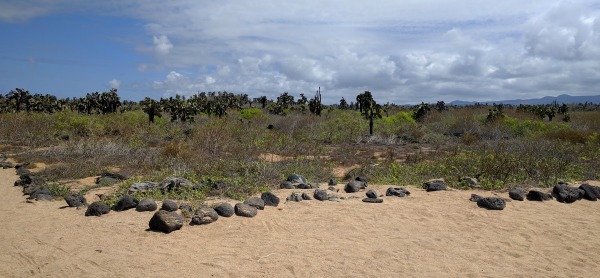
column 287, row 185
column 245, row 210
column 332, row 182
column 372, row 194
column 517, row 194
column 75, row 200
column 321, row 195
column 294, row 197
column 353, row 186
column 204, row 216
column 305, row 196
column 173, row 183
column 224, row 209
column 97, row 209
column 566, row 194
column 373, row 200
column 435, row 185
column 255, row 202
column 475, row 198
column 126, row 202
column 142, row 187
column 534, row 195
column 169, row 205
column 166, row 221
column 397, row 191
column 146, row 205
column 492, row 203
column 270, row 199
column 295, row 178
column 590, row 192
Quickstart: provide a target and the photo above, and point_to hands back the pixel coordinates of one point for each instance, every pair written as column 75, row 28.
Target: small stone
column 97, row 209
column 75, row 200
column 332, row 182
column 142, row 187
column 287, row 185
column 295, row 178
column 294, row 197
column 471, row 182
column 362, row 179
column 517, row 194
column 331, row 188
column 475, row 198
column 590, row 192
column 245, row 210
column 534, row 195
column 305, row 196
column 224, row 209
column 270, row 199
column 397, row 191
column 44, row 197
column 166, row 221
column 126, row 202
column 566, row 194
column 435, row 185
column 353, row 186
column 255, row 202
column 492, row 203
column 204, row 216
column 321, row 195
column 303, row 186
column 372, row 194
column 146, row 205
column 373, row 200
column 169, row 205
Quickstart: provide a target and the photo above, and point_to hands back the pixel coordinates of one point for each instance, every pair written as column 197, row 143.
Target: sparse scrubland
column 248, row 149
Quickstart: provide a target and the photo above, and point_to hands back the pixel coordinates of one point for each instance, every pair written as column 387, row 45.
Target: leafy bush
column 252, row 113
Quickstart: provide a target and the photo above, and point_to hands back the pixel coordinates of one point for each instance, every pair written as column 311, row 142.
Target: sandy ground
column 437, row 234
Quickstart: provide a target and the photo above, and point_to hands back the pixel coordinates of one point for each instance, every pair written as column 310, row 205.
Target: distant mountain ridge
column 568, row 99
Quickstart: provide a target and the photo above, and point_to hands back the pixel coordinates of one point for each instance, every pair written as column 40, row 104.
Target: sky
column 403, row 52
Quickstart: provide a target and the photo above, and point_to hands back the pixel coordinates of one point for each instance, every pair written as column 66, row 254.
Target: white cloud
column 162, row 45
column 114, row 83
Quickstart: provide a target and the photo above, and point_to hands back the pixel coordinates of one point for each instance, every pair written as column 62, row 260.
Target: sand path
column 425, row 235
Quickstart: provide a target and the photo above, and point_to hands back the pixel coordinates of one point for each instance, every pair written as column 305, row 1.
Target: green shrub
column 251, row 114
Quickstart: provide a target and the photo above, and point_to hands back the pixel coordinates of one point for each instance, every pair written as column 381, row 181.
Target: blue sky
column 402, row 51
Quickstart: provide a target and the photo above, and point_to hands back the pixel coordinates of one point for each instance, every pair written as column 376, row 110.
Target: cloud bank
column 403, row 52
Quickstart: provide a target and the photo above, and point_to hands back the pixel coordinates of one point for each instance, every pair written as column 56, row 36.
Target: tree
column 285, row 100
column 369, row 108
column 343, row 104
column 441, row 106
column 314, row 105
column 419, row 111
column 152, row 108
column 302, row 100
column 20, row 97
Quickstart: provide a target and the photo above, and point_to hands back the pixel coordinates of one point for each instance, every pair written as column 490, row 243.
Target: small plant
column 58, row 189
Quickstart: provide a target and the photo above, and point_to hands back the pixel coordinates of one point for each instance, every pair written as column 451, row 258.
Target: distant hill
column 568, row 99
